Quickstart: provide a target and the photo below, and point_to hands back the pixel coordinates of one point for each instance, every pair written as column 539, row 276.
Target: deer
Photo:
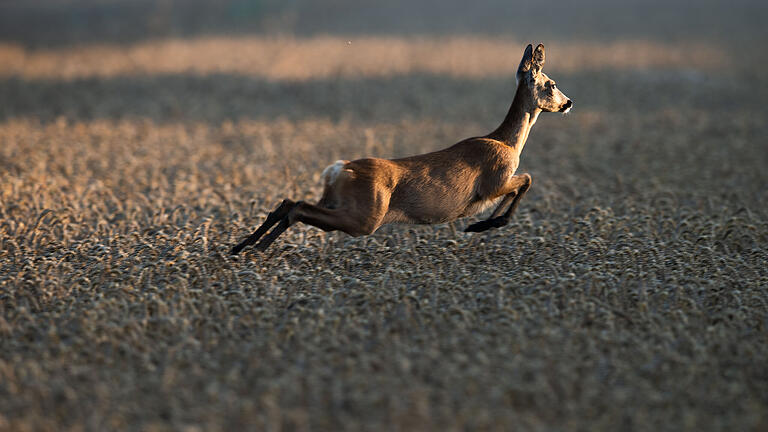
column 463, row 180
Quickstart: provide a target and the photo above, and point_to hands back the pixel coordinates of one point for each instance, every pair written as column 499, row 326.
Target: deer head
column 542, row 91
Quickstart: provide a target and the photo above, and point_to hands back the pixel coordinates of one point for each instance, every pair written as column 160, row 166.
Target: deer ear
column 538, row 59
column 527, row 61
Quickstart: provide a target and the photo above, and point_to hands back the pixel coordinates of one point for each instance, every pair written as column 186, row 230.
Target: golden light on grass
column 323, row 57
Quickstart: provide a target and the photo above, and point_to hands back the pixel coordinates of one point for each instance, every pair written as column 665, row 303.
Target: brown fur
column 459, row 181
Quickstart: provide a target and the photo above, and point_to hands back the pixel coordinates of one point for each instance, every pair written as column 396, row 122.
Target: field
column 630, row 292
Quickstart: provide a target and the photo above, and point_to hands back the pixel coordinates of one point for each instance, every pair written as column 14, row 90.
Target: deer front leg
column 517, row 186
column 272, row 218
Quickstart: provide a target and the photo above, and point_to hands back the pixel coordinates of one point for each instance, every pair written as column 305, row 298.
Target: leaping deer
column 462, row 180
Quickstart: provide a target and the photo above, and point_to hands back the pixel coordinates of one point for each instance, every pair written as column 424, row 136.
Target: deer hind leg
column 326, row 219
column 515, row 188
column 273, row 217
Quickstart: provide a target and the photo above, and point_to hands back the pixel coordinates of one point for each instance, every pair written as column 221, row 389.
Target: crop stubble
column 631, row 290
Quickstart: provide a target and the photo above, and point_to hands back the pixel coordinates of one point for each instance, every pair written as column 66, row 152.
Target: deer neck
column 516, row 126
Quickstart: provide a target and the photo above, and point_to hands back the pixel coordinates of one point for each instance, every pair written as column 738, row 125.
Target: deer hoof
column 498, row 222
column 478, row 226
column 486, row 225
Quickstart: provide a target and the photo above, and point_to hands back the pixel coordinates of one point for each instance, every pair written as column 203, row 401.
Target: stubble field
column 629, row 292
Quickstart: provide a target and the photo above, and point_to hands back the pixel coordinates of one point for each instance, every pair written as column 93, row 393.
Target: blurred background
column 225, row 59
column 38, row 23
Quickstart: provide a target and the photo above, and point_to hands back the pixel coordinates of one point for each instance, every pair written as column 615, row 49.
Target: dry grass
column 324, row 57
column 630, row 292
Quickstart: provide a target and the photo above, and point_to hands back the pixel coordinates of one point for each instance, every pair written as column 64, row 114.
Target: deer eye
column 554, row 86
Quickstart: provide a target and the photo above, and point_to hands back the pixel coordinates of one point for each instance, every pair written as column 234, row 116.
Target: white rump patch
column 331, row 172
